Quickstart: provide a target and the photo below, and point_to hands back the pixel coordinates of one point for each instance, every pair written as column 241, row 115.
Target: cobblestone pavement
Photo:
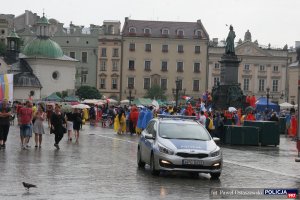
column 103, row 166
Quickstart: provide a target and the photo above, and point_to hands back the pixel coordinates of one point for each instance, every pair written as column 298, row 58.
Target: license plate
column 192, row 162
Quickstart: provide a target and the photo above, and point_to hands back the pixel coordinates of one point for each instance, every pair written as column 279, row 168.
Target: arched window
column 147, row 31
column 132, row 30
column 198, row 33
column 180, row 32
column 165, row 31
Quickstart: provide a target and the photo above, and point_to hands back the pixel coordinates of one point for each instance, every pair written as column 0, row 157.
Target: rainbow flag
column 6, row 86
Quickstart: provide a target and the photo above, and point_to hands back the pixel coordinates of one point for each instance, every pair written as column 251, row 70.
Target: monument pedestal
column 228, row 92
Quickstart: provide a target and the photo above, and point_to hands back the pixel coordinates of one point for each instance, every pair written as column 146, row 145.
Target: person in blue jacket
column 147, row 117
column 141, row 117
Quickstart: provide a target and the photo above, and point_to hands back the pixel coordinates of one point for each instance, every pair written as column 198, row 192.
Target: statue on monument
column 229, row 49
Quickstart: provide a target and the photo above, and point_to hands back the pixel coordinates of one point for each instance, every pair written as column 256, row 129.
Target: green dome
column 43, row 48
column 13, row 34
column 43, row 20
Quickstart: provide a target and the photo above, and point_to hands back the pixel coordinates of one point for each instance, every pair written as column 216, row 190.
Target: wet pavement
column 103, row 166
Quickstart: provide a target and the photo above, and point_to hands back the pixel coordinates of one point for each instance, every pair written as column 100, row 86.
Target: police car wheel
column 154, row 172
column 140, row 163
column 215, row 175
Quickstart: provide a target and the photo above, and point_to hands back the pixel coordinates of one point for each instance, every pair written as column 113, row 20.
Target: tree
column 156, row 92
column 62, row 94
column 88, row 92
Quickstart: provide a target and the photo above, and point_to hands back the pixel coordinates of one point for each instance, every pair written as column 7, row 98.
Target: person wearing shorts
column 25, row 122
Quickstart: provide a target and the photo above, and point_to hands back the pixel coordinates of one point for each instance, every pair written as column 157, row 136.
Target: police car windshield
column 183, row 131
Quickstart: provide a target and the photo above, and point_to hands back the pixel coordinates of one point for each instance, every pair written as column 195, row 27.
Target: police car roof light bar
column 176, row 117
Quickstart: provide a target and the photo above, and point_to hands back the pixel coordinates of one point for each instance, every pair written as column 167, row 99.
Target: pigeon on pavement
column 28, row 185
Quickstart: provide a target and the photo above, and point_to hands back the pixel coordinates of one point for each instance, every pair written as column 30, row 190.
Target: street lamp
column 177, row 91
column 268, row 96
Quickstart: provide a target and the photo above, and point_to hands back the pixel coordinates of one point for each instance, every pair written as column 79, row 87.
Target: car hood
column 191, row 144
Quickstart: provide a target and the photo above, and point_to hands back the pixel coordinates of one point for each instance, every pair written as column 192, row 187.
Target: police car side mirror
column 149, row 137
column 216, row 139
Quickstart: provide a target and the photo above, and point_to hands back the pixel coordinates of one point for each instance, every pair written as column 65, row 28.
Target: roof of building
column 43, row 48
column 26, row 79
column 156, row 27
column 43, row 20
column 13, row 34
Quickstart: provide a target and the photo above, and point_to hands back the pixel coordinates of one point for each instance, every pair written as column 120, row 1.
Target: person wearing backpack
column 209, row 124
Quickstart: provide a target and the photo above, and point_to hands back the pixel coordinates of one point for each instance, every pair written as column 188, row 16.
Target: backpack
column 211, row 124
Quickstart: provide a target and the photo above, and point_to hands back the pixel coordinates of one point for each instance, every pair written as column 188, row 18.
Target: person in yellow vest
column 120, row 122
column 85, row 115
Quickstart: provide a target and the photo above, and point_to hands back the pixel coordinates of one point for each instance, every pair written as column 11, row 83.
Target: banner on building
column 6, row 87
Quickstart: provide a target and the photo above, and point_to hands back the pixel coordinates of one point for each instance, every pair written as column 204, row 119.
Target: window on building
column 102, row 65
column 72, row 54
column 84, row 74
column 198, row 33
column 275, row 85
column 132, row 46
column 102, row 83
column 146, row 83
column 275, row 68
column 216, row 80
column 147, row 31
column 217, row 66
column 179, row 84
column 147, row 65
column 196, row 85
column 246, row 67
column 180, row 33
column 132, row 30
column 2, row 32
column 261, row 68
column 130, row 82
column 180, row 48
column 246, row 84
column 115, row 52
column 114, row 83
column 164, row 48
column 164, row 66
column 165, row 31
column 179, row 66
column 261, row 85
column 115, row 66
column 148, row 47
column 163, row 83
column 196, row 67
column 131, row 64
column 197, row 49
column 103, row 52
column 84, row 58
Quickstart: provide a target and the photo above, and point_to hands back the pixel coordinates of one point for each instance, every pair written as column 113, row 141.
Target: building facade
column 161, row 53
column 77, row 42
column 260, row 68
column 109, row 63
column 41, row 68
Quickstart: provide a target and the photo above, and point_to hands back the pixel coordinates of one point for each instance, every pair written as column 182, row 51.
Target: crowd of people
column 124, row 119
column 31, row 120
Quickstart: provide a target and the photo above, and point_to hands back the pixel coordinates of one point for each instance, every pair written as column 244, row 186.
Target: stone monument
column 228, row 92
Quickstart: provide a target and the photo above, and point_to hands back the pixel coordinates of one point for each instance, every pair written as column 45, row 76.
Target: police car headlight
column 165, row 150
column 215, row 153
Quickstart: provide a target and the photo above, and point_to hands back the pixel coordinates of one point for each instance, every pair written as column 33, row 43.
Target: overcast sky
column 269, row 21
